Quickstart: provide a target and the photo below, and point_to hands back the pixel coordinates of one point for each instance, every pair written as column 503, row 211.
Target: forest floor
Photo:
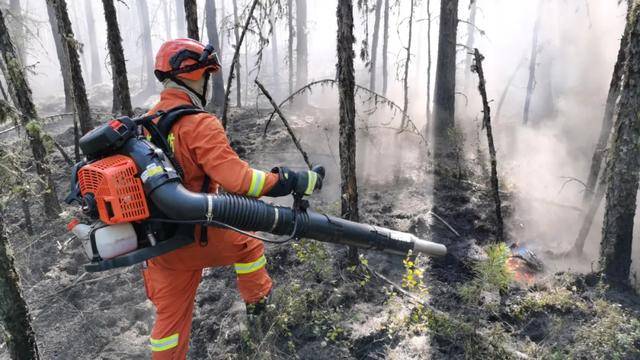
column 465, row 305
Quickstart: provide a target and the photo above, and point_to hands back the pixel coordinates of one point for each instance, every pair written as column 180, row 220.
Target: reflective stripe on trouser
column 258, row 179
column 165, row 343
column 247, row 268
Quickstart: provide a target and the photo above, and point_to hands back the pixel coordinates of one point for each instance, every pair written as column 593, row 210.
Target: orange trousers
column 171, row 282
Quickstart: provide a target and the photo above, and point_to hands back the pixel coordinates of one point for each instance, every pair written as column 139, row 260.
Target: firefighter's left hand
column 297, row 182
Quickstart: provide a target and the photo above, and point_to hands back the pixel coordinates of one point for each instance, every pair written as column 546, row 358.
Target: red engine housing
column 118, row 193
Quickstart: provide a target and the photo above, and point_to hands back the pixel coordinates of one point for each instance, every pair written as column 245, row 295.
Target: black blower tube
column 168, row 194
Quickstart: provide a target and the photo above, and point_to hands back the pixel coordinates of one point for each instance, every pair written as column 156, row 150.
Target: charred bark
column 623, row 165
column 71, row 50
column 16, row 320
column 486, row 125
column 290, row 43
column 191, row 13
column 407, row 61
column 16, row 79
column 374, row 47
column 217, row 85
column 62, row 59
column 385, row 48
column 121, row 95
column 532, row 65
column 346, row 88
column 301, row 50
column 147, row 51
column 96, row 73
column 445, row 86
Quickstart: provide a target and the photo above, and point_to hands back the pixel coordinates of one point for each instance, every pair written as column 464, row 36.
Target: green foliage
column 613, row 334
column 556, row 299
column 314, row 254
column 413, row 277
column 491, row 275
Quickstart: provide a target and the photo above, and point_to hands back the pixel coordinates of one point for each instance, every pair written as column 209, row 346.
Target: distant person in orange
column 202, row 150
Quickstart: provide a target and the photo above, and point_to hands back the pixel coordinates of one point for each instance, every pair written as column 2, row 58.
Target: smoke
column 578, row 43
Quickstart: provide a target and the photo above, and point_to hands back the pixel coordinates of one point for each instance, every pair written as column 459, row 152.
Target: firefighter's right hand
column 297, row 182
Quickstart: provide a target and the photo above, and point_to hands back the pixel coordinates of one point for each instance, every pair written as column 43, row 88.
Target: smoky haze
column 577, row 48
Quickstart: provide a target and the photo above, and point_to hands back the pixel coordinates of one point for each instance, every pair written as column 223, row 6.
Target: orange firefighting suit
column 171, row 280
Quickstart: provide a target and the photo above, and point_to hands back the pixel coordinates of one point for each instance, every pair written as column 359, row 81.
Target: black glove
column 297, row 182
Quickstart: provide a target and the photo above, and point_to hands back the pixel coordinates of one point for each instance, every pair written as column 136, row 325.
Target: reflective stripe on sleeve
column 311, row 184
column 247, row 268
column 258, row 179
column 165, row 343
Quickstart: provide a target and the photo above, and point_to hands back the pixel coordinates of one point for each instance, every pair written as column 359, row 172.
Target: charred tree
column 486, row 125
column 346, row 88
column 191, row 13
column 16, row 79
column 71, row 51
column 121, row 95
column 385, row 48
column 180, row 19
column 532, row 65
column 236, row 60
column 290, row 43
column 623, row 165
column 301, row 50
column 374, row 47
column 217, row 85
column 61, row 51
column 96, row 73
column 147, row 51
column 16, row 320
column 445, row 86
column 407, row 61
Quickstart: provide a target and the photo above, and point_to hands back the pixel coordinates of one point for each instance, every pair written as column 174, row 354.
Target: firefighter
column 208, row 162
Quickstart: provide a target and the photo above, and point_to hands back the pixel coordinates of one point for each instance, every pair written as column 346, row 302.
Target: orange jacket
column 201, row 147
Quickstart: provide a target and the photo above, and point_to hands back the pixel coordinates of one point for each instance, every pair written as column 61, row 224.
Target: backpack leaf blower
column 132, row 192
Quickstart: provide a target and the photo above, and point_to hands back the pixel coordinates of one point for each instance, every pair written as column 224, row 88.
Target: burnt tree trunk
column 301, row 50
column 290, row 43
column 16, row 320
column 217, row 85
column 623, row 165
column 347, row 143
column 236, row 60
column 486, row 125
column 180, row 19
column 407, row 61
column 191, row 13
column 532, row 65
column 445, row 86
column 71, row 50
column 385, row 48
column 96, row 73
column 374, row 47
column 147, row 50
column 121, row 95
column 607, row 122
column 16, row 79
column 62, row 59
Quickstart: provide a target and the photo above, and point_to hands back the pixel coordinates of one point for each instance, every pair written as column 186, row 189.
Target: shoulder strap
column 173, row 115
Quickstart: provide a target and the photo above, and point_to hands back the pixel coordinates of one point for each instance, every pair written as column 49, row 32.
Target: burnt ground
column 322, row 307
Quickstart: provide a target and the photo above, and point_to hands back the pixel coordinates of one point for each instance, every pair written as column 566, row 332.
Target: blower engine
column 139, row 209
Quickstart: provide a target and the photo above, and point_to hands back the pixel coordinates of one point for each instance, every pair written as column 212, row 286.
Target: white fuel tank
column 111, row 240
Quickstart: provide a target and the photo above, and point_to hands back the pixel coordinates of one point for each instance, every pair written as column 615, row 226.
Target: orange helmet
column 186, row 59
